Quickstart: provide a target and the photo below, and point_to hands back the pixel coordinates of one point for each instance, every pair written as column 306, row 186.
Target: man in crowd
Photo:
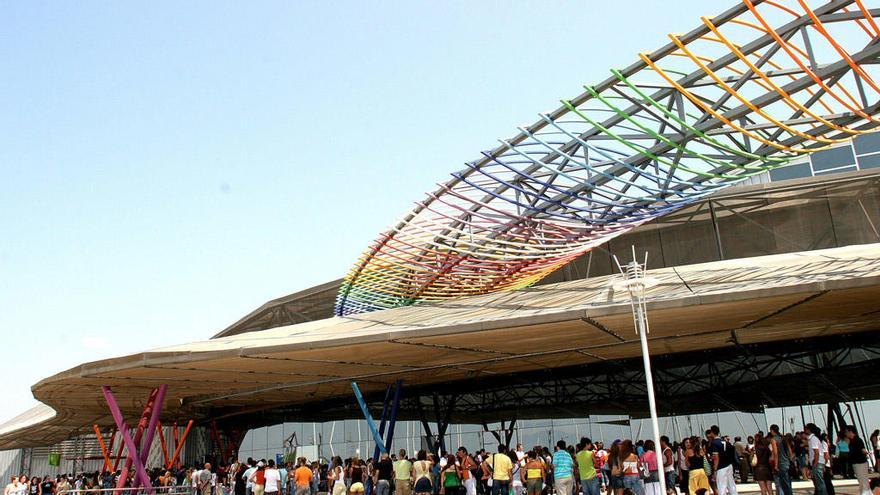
column 402, row 474
column 501, row 468
column 273, row 478
column 781, row 460
column 741, row 453
column 723, row 458
column 563, row 470
column 302, row 477
column 668, row 463
column 815, row 460
column 383, row 474
column 587, row 468
column 204, row 480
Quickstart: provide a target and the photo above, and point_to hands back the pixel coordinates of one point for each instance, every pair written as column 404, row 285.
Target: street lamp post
column 635, row 283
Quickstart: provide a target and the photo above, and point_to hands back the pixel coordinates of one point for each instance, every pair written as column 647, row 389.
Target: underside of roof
column 464, row 342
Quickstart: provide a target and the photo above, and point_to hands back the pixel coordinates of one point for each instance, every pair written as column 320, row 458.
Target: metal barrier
column 162, row 490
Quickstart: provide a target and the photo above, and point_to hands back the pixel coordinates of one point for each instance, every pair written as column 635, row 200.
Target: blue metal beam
column 382, row 421
column 372, row 425
column 393, row 421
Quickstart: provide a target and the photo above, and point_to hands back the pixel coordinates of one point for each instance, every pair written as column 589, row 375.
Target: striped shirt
column 563, row 466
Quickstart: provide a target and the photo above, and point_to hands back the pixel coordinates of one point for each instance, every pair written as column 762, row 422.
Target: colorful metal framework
column 749, row 90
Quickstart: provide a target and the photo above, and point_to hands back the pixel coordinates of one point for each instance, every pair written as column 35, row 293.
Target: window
column 833, row 158
column 791, row 172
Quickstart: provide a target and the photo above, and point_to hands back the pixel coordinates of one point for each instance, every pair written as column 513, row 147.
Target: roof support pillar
column 141, row 473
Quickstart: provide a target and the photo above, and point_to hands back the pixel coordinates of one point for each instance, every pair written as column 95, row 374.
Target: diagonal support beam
column 370, row 423
column 394, row 406
column 140, row 473
column 179, row 444
column 154, row 419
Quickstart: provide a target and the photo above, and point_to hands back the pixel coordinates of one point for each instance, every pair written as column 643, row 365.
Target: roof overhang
column 707, row 306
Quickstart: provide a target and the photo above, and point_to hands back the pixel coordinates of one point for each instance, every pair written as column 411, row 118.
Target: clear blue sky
column 166, row 167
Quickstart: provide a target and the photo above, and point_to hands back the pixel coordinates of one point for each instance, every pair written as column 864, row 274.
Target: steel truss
column 742, row 377
column 747, row 91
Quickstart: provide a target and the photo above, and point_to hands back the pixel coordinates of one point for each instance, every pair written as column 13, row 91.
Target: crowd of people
column 707, row 465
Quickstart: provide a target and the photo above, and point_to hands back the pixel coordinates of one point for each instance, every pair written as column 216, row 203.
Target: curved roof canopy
column 702, row 306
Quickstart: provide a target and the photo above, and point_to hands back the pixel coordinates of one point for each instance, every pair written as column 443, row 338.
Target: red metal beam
column 162, row 442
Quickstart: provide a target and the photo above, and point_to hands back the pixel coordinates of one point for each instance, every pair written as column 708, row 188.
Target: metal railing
column 157, row 490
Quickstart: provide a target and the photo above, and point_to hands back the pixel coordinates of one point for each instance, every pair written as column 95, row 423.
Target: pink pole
column 140, row 472
column 151, row 428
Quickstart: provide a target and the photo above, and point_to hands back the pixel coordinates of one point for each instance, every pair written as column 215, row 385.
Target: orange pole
column 162, row 442
column 103, row 447
column 180, row 445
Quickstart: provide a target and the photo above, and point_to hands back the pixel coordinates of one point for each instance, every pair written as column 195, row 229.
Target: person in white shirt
column 815, row 459
column 194, row 480
column 12, row 487
column 520, row 455
column 273, row 479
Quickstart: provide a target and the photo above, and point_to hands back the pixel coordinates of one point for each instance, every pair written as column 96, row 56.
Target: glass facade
column 749, row 221
column 861, row 154
column 350, row 437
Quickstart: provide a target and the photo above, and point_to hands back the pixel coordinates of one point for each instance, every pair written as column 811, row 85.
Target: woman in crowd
column 631, row 467
column 516, row 473
column 534, row 474
column 356, row 473
column 697, row 478
column 421, row 473
column 336, row 477
column 801, row 450
column 450, row 477
column 615, row 486
column 649, row 463
column 762, row 469
column 239, row 482
column 259, row 479
column 63, row 486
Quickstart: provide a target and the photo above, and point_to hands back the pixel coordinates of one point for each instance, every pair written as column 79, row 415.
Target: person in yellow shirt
column 402, row 474
column 501, row 467
column 534, row 474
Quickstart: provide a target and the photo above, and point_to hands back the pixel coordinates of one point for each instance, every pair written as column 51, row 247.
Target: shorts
column 356, row 488
column 423, row 485
column 617, row 482
column 534, row 486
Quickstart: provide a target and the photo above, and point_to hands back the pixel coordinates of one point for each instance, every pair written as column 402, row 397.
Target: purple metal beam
column 138, row 437
column 140, row 472
column 154, row 418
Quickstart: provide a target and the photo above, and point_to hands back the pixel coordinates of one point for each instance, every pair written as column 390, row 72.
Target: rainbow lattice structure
column 745, row 92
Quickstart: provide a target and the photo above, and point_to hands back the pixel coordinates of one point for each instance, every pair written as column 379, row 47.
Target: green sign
column 54, row 459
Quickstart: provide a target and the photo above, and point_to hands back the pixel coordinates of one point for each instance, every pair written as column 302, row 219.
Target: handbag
column 754, row 460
